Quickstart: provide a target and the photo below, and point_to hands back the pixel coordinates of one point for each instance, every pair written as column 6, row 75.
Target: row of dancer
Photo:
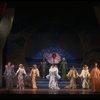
column 10, row 74
column 90, row 79
column 87, row 78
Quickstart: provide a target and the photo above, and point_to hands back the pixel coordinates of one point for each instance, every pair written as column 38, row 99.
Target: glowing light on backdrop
column 53, row 58
column 48, row 52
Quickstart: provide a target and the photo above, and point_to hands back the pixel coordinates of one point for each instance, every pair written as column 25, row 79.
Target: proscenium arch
column 6, row 23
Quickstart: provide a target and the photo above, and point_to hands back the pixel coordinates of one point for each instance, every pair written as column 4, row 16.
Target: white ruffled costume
column 53, row 77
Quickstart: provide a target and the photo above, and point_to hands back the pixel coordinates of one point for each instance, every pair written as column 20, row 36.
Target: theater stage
column 46, row 91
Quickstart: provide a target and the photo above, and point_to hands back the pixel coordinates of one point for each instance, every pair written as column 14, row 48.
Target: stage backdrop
column 29, row 47
column 62, row 26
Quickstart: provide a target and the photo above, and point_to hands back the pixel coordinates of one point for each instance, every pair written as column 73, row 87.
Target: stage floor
column 47, row 91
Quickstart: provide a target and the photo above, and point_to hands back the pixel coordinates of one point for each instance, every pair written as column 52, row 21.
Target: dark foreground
column 47, row 93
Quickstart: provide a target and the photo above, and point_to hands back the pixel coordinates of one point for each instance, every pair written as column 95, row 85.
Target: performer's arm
column 30, row 73
column 68, row 75
column 77, row 75
column 88, row 74
column 66, row 65
column 13, row 72
column 57, row 70
column 17, row 72
column 24, row 72
column 5, row 72
column 81, row 74
column 38, row 74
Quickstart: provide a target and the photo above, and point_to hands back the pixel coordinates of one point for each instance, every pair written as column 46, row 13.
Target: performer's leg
column 17, row 86
column 7, row 83
column 74, row 83
column 94, row 85
column 23, row 87
column 71, row 83
column 83, row 83
column 11, row 83
column 87, row 84
column 34, row 86
column 43, row 73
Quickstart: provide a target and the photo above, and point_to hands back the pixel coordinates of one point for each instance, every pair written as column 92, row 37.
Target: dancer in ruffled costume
column 53, row 77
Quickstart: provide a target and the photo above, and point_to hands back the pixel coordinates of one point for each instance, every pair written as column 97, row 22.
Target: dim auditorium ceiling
column 53, row 16
column 56, row 20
